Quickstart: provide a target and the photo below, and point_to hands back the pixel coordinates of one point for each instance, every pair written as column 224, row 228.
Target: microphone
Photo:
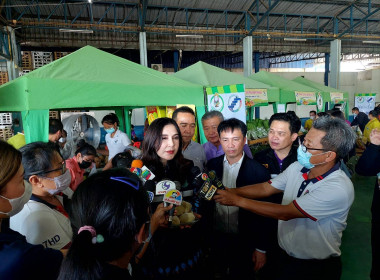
column 172, row 197
column 137, row 163
column 215, row 180
column 138, row 167
column 151, row 188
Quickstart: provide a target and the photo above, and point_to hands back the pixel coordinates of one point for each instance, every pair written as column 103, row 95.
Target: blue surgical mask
column 110, row 130
column 354, row 115
column 304, row 158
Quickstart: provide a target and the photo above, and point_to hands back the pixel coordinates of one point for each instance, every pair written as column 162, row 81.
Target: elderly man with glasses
column 314, row 209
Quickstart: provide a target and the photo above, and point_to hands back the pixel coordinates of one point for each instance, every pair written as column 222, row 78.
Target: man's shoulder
column 215, row 161
column 263, row 155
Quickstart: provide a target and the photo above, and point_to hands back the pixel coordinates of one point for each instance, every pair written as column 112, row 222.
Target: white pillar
column 247, row 56
column 335, row 50
column 143, row 50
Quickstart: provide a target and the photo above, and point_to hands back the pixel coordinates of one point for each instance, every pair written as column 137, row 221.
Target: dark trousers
column 299, row 269
column 231, row 257
column 375, row 242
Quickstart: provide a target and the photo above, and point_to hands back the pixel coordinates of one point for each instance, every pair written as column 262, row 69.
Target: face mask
column 19, row 202
column 62, row 140
column 312, row 117
column 354, row 115
column 110, row 130
column 85, row 164
column 304, row 158
column 62, row 182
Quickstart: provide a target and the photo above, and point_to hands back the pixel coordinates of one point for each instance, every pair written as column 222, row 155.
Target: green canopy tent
column 91, row 78
column 287, row 87
column 324, row 89
column 207, row 75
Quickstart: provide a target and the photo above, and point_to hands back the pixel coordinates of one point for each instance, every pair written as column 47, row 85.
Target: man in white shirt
column 185, row 118
column 314, row 209
column 240, row 236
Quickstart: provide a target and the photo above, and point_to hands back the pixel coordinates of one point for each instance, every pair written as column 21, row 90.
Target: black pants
column 231, row 257
column 299, row 269
column 375, row 242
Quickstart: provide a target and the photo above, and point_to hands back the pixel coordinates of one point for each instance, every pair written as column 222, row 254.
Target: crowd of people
column 279, row 215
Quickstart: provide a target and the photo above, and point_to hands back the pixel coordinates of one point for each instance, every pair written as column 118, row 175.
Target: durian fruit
column 179, row 210
column 187, row 218
column 175, row 221
column 187, row 206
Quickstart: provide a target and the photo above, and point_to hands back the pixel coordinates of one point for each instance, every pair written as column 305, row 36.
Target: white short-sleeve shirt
column 41, row 224
column 117, row 143
column 325, row 201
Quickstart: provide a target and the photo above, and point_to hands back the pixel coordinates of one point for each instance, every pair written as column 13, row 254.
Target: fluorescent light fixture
column 295, row 39
column 85, row 31
column 371, row 42
column 189, row 36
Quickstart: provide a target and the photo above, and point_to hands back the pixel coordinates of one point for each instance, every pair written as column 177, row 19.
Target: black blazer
column 255, row 229
column 369, row 165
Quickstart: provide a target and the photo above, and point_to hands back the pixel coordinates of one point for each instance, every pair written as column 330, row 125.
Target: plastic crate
column 27, row 62
column 41, row 58
column 6, row 133
column 3, row 78
column 53, row 115
column 58, row 55
column 24, row 72
column 5, row 118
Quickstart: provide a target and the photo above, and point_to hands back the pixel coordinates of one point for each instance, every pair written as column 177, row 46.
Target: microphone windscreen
column 195, row 171
column 150, row 186
column 177, row 185
column 137, row 163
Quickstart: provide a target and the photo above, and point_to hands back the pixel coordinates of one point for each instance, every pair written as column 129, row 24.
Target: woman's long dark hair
column 152, row 143
column 115, row 210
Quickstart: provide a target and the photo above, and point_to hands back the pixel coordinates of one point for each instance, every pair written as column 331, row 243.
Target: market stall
column 330, row 96
column 91, row 78
column 211, row 76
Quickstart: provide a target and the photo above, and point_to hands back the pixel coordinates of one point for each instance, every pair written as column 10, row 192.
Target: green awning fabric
column 324, row 89
column 91, row 78
column 287, row 87
column 207, row 75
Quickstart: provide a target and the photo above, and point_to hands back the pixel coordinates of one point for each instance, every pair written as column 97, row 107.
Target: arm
column 266, row 209
column 260, row 190
column 368, row 164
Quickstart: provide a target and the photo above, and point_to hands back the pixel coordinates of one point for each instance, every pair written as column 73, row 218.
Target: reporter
column 110, row 220
column 19, row 259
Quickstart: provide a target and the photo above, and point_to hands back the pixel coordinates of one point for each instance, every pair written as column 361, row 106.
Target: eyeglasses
column 63, row 169
column 304, row 148
column 129, row 181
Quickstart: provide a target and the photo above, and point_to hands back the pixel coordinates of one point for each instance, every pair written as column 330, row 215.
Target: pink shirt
column 75, row 171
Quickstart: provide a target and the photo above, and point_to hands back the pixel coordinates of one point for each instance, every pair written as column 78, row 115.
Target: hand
column 375, row 136
column 259, row 259
column 160, row 217
column 226, row 197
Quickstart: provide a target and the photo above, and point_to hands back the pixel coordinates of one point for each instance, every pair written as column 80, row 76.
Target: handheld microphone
column 172, row 197
column 137, row 163
column 216, row 181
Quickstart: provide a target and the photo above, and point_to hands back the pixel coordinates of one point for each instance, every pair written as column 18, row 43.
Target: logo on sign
column 234, row 103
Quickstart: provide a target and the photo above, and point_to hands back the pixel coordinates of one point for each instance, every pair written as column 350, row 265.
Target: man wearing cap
column 314, row 209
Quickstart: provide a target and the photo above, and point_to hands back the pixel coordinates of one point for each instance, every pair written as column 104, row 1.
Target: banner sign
column 337, row 97
column 306, row 98
column 256, row 97
column 229, row 100
column 365, row 101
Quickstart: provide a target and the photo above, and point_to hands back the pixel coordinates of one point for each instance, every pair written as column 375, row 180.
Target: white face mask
column 62, row 182
column 312, row 117
column 19, row 202
column 62, row 140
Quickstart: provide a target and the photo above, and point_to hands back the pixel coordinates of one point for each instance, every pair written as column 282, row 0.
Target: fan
column 82, row 127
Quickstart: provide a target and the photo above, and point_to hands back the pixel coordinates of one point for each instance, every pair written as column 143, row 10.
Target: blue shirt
column 21, row 260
